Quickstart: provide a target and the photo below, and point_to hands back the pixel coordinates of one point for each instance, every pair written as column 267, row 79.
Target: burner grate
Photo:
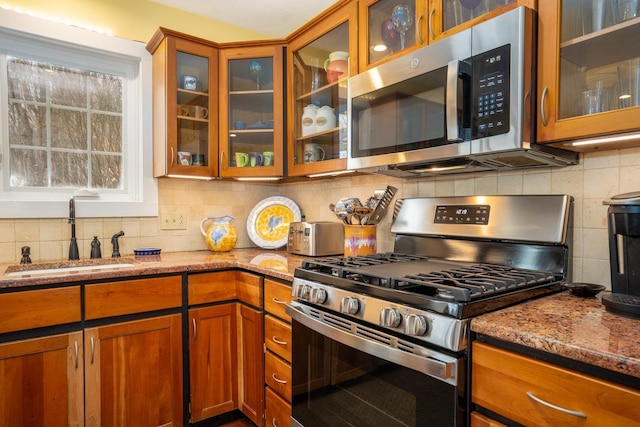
column 467, row 283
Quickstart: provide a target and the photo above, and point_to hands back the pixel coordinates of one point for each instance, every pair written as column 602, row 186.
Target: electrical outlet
column 173, row 221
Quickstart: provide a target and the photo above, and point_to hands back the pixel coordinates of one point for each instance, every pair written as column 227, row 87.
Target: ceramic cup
column 190, row 82
column 184, row 158
column 268, row 158
column 239, row 125
column 199, row 112
column 255, row 159
column 183, row 110
column 313, row 152
column 197, row 159
column 242, row 159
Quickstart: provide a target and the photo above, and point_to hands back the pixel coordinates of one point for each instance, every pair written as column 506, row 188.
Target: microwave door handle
column 456, row 71
column 452, row 101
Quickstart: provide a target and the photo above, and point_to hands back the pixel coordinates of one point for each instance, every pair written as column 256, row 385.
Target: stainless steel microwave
column 465, row 103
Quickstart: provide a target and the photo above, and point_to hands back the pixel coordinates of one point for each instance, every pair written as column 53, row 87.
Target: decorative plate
column 146, row 251
column 268, row 221
column 272, row 262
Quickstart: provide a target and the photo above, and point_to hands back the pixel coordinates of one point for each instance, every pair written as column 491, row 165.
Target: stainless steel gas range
column 382, row 340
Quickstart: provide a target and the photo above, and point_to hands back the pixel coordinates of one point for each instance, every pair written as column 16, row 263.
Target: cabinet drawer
column 517, row 386
column 132, row 296
column 36, row 309
column 249, row 288
column 278, row 412
column 277, row 375
column 276, row 295
column 277, row 337
column 211, row 287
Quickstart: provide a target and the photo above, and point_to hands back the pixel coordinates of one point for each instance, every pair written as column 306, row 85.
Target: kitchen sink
column 65, row 267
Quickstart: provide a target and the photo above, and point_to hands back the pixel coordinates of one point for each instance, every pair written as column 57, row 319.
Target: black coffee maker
column 623, row 218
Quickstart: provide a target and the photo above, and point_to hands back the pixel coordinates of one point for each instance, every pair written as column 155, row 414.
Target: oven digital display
column 457, row 214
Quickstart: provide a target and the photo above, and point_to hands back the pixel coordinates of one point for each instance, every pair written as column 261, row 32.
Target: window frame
column 30, row 35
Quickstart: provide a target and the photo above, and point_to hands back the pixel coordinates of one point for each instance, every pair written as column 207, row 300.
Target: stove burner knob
column 390, row 317
column 318, row 296
column 415, row 325
column 304, row 291
column 349, row 305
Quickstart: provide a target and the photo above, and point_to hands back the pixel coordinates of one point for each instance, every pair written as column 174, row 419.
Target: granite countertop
column 561, row 324
column 275, row 263
column 569, row 326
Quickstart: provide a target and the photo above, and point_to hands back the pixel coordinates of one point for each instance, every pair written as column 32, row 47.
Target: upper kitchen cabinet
column 389, row 28
column 320, row 59
column 588, row 71
column 251, row 140
column 447, row 17
column 185, row 105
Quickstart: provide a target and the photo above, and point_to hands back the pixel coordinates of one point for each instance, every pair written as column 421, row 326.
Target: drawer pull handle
column 93, row 349
column 278, row 380
column 275, row 340
column 273, row 422
column 195, row 330
column 76, row 351
column 557, row 408
column 277, row 301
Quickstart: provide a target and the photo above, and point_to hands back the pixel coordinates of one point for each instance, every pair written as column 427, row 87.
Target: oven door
column 347, row 374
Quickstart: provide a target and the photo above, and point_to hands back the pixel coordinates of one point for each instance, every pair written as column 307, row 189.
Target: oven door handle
column 442, row 370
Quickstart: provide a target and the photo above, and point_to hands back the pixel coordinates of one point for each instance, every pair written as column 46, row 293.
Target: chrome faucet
column 73, row 245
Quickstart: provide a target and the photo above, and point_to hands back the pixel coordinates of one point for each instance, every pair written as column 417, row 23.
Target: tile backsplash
column 597, row 177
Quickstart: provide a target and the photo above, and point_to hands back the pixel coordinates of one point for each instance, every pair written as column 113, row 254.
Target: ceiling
column 276, row 18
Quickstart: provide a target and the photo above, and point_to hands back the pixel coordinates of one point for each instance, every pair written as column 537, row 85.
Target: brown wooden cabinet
column 277, row 372
column 380, row 39
column 251, row 362
column 133, row 369
column 574, row 57
column 133, row 373
column 449, row 17
column 533, row 392
column 320, row 146
column 42, row 381
column 213, row 361
column 226, row 356
column 185, row 105
column 252, row 110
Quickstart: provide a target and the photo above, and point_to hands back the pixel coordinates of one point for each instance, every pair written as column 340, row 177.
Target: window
column 75, row 119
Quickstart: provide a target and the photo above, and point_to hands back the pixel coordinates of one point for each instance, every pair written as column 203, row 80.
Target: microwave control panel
column 490, row 94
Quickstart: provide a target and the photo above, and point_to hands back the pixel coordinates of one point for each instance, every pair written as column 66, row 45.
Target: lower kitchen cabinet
column 277, row 374
column 226, row 357
column 536, row 393
column 251, row 363
column 213, row 361
column 41, row 382
column 133, row 373
column 278, row 412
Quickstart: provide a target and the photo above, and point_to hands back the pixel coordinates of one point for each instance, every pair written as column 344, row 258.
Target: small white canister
column 325, row 118
column 309, row 119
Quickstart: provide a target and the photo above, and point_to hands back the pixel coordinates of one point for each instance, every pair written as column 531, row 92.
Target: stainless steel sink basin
column 46, row 269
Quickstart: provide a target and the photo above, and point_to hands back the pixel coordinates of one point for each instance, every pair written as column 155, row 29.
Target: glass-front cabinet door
column 185, row 105
column 447, row 17
column 588, row 68
column 389, row 28
column 320, row 60
column 252, row 111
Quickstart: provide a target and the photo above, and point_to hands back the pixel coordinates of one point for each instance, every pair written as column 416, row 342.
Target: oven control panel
column 462, row 214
